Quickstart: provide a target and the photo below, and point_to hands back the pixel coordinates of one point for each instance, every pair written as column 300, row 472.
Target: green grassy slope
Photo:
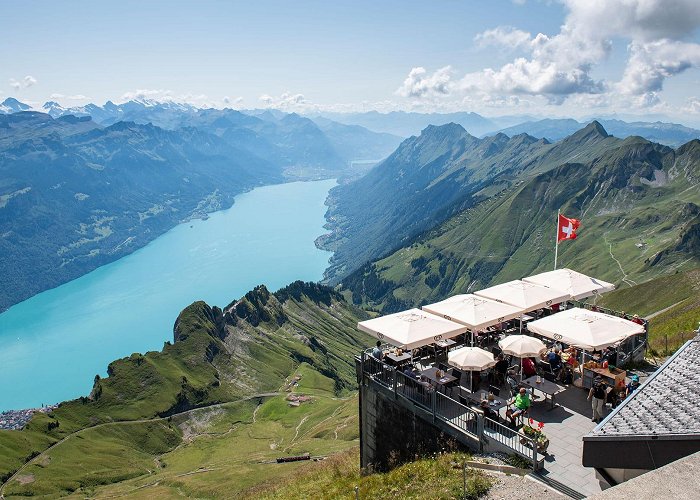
column 251, row 347
column 336, row 478
column 639, row 204
column 220, row 451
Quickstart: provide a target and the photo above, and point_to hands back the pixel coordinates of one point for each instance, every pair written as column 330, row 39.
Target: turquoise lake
column 52, row 345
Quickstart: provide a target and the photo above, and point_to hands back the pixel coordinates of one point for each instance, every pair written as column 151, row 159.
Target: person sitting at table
column 377, row 350
column 554, row 359
column 408, row 371
column 488, row 411
column 609, row 356
column 529, row 369
column 520, row 405
column 501, row 369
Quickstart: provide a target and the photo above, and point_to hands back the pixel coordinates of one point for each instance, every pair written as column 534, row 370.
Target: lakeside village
column 529, row 369
column 15, row 420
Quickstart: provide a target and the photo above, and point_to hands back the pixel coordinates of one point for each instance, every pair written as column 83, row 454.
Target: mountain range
column 119, row 184
column 670, row 134
column 497, row 200
column 408, row 124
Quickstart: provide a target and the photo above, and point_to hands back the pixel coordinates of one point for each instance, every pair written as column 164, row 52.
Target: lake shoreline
column 213, row 257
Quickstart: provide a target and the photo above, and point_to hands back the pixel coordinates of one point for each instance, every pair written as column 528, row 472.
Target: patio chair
column 546, row 371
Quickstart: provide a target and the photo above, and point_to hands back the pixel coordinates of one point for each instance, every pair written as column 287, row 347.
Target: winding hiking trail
column 624, row 274
column 18, row 472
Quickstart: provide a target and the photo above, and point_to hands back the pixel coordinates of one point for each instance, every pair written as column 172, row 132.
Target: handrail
column 444, row 408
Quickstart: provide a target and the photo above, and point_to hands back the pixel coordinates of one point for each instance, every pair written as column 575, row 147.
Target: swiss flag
column 567, row 228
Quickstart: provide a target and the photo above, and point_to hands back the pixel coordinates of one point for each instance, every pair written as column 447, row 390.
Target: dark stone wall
column 392, row 434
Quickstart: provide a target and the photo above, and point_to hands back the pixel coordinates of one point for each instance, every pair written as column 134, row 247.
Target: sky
column 573, row 58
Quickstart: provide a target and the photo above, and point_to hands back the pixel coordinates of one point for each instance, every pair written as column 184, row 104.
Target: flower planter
column 541, row 445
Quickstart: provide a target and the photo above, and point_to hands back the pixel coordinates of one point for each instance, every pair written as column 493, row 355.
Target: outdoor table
column 545, row 386
column 429, row 373
column 495, row 405
column 395, row 360
column 446, row 343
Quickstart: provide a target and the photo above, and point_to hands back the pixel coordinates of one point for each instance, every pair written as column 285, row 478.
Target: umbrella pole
column 521, row 369
column 521, row 323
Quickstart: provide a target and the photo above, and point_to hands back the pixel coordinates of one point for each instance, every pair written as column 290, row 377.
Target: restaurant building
column 658, row 424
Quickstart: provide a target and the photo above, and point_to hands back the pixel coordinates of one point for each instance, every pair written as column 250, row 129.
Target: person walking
column 597, row 396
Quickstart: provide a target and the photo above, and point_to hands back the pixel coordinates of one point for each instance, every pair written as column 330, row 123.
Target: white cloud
column 155, row 94
column 237, row 102
column 420, row 84
column 651, row 63
column 692, row 105
column 504, row 36
column 286, row 102
column 28, row 81
column 15, row 84
column 559, row 68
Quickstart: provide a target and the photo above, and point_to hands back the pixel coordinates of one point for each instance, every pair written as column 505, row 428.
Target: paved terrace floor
column 565, row 426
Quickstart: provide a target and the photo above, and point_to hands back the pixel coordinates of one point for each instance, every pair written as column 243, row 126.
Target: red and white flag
column 567, row 228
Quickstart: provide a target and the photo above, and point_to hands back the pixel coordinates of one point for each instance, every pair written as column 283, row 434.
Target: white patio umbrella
column 589, row 330
column 411, row 329
column 521, row 346
column 526, row 296
column 475, row 312
column 576, row 284
column 471, row 359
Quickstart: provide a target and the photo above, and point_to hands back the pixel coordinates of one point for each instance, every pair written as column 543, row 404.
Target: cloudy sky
column 568, row 57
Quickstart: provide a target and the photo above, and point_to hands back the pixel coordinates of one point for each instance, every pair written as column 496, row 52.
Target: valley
column 271, row 375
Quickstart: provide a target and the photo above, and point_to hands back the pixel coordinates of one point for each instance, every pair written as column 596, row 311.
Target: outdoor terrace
column 450, row 402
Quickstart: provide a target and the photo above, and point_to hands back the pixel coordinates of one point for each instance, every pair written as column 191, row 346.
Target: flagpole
column 556, row 241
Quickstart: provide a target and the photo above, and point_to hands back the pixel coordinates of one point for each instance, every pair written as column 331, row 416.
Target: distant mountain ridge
column 405, row 124
column 669, row 134
column 284, row 138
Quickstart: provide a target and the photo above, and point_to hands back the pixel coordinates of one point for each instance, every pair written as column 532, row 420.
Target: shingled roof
column 666, row 404
column 658, row 424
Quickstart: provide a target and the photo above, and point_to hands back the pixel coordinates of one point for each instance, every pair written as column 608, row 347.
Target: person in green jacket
column 520, row 405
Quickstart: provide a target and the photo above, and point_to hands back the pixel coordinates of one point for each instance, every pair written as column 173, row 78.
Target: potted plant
column 535, row 432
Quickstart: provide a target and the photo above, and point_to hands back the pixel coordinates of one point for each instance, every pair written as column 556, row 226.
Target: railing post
column 433, row 395
column 363, row 371
column 534, row 454
column 480, row 430
column 395, row 393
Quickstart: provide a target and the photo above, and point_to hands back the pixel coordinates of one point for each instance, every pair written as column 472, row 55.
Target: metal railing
column 461, row 417
column 457, row 414
column 517, row 441
column 414, row 391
